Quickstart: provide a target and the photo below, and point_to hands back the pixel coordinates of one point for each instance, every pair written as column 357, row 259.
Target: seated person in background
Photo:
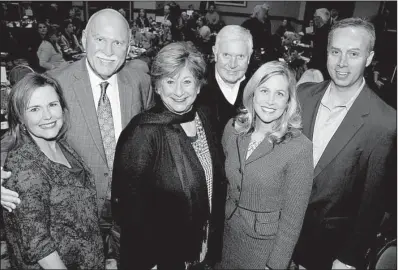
column 49, row 52
column 56, row 225
column 285, row 26
column 134, row 31
column 142, row 21
column 309, row 34
column 191, row 27
column 166, row 36
column 182, row 25
column 34, row 43
column 68, row 41
column 203, row 35
column 212, row 17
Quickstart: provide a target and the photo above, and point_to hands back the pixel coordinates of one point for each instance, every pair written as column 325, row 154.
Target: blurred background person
column 56, row 225
column 49, row 52
column 168, row 186
column 285, row 26
column 34, row 43
column 334, row 16
column 259, row 26
column 320, row 41
column 212, row 17
column 203, row 35
column 68, row 40
column 166, row 36
column 265, row 147
column 142, row 20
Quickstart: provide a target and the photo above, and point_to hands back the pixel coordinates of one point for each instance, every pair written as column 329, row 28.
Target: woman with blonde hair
column 269, row 169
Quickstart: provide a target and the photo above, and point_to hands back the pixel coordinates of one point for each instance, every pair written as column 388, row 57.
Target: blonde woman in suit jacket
column 270, row 169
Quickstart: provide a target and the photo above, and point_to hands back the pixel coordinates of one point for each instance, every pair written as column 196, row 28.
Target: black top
column 162, row 207
column 141, row 23
column 212, row 97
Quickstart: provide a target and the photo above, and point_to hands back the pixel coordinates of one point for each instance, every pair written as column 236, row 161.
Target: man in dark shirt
column 226, row 79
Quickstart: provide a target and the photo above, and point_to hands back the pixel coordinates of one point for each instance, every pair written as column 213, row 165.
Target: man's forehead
column 102, row 23
column 233, row 43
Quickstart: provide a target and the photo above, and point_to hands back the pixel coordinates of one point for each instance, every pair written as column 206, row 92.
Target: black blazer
column 148, row 199
column 348, row 195
column 212, row 97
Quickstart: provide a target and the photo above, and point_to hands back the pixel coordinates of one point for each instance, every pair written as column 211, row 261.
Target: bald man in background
column 106, row 42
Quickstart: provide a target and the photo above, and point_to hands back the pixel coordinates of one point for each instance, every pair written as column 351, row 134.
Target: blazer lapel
column 83, row 92
column 263, row 149
column 242, row 144
column 352, row 122
column 310, row 110
column 125, row 97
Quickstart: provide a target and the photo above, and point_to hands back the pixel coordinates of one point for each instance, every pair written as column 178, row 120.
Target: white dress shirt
column 230, row 93
column 112, row 91
column 328, row 120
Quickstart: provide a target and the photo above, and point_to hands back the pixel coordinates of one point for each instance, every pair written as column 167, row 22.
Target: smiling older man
column 226, row 79
column 102, row 96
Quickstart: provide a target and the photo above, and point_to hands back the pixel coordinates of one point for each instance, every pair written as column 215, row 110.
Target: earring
column 23, row 127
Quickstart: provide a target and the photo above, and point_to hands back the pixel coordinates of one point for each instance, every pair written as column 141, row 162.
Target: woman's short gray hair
column 172, row 58
column 234, row 32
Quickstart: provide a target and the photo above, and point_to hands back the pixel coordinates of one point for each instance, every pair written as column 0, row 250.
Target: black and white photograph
column 198, row 135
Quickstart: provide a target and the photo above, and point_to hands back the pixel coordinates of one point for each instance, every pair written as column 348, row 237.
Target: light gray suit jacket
column 84, row 133
column 268, row 193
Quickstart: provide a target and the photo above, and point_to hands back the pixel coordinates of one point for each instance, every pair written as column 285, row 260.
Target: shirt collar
column 326, row 97
column 224, row 85
column 96, row 80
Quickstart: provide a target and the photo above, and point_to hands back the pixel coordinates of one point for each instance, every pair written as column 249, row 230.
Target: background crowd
column 190, row 144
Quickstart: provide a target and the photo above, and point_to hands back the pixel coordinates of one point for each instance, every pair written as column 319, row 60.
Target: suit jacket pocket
column 263, row 225
column 266, row 224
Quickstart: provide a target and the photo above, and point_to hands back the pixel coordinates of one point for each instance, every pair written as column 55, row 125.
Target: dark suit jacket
column 84, row 133
column 148, row 197
column 212, row 97
column 348, row 195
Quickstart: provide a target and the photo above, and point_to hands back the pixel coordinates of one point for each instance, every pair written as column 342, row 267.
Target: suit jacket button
column 106, row 174
column 238, row 188
column 116, row 200
column 240, row 170
column 236, row 202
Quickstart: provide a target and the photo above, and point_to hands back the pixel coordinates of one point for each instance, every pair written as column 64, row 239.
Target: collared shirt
column 230, row 93
column 112, row 91
column 328, row 120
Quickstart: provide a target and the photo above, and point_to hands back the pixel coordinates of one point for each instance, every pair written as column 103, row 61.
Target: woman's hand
column 9, row 198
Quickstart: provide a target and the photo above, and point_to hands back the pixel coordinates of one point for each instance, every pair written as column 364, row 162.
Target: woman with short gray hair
column 167, row 168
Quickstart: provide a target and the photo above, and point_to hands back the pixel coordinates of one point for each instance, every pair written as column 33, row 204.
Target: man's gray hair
column 234, row 32
column 355, row 23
